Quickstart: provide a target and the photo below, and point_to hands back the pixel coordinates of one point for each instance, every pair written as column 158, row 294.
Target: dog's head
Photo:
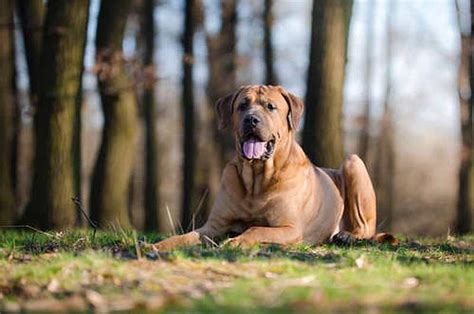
column 262, row 118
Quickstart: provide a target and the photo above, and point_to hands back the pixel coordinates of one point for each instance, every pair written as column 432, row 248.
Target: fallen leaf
column 360, row 262
column 96, row 300
column 411, row 282
column 270, row 275
column 53, row 286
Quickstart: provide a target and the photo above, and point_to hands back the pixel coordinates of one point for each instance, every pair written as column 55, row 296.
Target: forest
column 90, row 113
column 108, row 124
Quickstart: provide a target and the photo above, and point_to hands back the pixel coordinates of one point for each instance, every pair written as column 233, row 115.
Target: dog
column 270, row 191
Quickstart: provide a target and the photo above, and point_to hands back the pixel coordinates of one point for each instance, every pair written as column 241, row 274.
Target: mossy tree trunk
column 322, row 134
column 113, row 167
column 149, row 108
column 270, row 76
column 7, row 108
column 61, row 62
column 76, row 141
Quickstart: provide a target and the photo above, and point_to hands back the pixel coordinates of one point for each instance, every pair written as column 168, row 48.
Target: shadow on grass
column 260, row 253
column 123, row 244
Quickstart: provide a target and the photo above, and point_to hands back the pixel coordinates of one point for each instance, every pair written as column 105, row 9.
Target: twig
column 170, row 219
column 198, row 209
column 27, row 227
column 210, row 241
column 137, row 246
column 78, row 203
column 381, row 224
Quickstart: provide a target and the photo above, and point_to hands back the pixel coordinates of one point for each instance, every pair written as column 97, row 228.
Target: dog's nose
column 252, row 120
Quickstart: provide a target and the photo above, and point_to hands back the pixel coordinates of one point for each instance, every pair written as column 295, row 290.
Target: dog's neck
column 259, row 175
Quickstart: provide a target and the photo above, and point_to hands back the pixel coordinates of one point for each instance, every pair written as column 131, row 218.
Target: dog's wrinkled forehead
column 277, row 95
column 259, row 94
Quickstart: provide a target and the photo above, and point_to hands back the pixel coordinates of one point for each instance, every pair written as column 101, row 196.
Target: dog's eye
column 243, row 106
column 271, row 106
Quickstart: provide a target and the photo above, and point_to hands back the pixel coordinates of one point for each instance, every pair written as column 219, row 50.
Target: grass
column 110, row 271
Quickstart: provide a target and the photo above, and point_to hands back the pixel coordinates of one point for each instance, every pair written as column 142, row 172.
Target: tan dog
column 270, row 192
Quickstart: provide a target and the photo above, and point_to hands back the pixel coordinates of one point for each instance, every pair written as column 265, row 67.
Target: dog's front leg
column 187, row 239
column 212, row 228
column 198, row 236
column 260, row 235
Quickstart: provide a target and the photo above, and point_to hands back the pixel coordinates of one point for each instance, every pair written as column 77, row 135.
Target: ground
column 107, row 271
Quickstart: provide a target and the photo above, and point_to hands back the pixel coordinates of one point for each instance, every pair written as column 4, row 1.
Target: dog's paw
column 237, row 242
column 167, row 244
column 343, row 238
column 231, row 242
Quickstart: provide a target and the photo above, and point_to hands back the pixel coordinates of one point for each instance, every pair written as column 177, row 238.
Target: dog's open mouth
column 255, row 148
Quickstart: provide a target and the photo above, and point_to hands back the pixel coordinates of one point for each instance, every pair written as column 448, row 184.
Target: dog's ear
column 224, row 108
column 295, row 109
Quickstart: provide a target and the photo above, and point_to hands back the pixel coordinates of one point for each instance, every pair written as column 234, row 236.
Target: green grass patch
column 110, row 271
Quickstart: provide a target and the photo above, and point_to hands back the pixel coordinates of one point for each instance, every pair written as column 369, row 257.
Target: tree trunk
column 65, row 28
column 386, row 157
column 222, row 60
column 76, row 141
column 270, row 77
column 322, row 134
column 365, row 132
column 31, row 15
column 113, row 167
column 7, row 107
column 15, row 150
column 222, row 65
column 385, row 171
column 465, row 204
column 149, row 107
column 189, row 141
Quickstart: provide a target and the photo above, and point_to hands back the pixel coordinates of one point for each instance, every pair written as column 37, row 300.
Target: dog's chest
column 256, row 178
column 252, row 209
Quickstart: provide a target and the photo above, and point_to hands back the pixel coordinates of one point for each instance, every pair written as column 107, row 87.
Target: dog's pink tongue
column 253, row 149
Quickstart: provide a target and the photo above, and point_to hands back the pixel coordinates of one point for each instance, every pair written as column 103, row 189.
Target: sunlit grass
column 106, row 270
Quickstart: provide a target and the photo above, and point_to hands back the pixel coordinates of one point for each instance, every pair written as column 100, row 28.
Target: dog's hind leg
column 359, row 218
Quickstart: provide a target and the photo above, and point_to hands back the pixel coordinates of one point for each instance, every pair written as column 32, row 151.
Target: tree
column 465, row 204
column 222, row 60
column 7, row 106
column 218, row 147
column 270, row 76
column 31, row 15
column 189, row 141
column 365, row 132
column 385, row 166
column 60, row 70
column 113, row 167
column 76, row 150
column 149, row 106
column 322, row 134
